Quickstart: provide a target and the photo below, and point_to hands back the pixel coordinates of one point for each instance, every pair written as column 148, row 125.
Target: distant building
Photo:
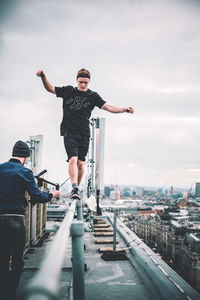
column 171, row 190
column 127, row 189
column 126, row 192
column 114, row 195
column 177, row 239
column 139, row 191
column 197, row 189
column 107, row 191
column 166, row 192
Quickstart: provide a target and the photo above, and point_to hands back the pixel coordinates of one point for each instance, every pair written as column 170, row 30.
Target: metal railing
column 45, row 285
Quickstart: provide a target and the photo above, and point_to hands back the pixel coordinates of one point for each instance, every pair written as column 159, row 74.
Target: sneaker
column 75, row 194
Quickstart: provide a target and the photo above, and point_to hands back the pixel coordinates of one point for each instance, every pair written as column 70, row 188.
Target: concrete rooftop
column 143, row 276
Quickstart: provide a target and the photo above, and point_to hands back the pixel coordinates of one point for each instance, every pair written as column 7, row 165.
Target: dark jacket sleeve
column 33, row 190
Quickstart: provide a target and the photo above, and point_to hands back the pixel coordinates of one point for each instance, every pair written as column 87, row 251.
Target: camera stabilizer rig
column 41, row 180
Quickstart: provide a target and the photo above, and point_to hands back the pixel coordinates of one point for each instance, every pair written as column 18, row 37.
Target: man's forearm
column 116, row 109
column 48, row 86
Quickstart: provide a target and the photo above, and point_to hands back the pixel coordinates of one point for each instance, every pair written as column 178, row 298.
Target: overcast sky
column 144, row 53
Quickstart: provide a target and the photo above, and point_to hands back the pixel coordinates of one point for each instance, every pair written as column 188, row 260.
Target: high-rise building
column 107, row 191
column 139, row 191
column 197, row 189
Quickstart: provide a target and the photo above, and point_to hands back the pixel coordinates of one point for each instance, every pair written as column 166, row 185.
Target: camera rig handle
column 41, row 180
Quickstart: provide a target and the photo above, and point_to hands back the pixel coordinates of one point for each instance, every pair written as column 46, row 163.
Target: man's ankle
column 74, row 185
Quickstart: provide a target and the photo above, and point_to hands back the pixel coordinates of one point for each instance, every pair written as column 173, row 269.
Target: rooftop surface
column 143, row 276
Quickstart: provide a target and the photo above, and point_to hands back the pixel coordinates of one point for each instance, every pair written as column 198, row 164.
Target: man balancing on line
column 78, row 103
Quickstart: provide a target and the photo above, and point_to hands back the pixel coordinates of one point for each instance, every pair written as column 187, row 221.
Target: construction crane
column 187, row 196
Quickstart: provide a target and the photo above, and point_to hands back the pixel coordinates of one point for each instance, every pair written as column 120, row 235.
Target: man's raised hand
column 130, row 110
column 40, row 73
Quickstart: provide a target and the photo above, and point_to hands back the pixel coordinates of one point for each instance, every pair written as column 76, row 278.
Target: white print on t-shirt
column 78, row 102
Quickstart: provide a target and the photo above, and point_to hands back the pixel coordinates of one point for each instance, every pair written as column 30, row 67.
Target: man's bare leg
column 73, row 173
column 73, row 169
column 81, row 167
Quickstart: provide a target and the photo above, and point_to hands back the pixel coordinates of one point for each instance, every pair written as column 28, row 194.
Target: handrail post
column 77, row 231
column 114, row 233
column 93, row 123
column 79, row 207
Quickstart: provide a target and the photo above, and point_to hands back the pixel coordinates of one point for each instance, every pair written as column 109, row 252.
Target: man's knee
column 73, row 160
column 81, row 164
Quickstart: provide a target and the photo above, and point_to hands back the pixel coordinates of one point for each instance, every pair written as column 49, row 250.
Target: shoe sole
column 75, row 197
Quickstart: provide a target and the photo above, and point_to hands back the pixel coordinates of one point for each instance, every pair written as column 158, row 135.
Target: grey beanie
column 21, row 149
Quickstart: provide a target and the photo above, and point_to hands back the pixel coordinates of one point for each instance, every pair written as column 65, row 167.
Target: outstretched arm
column 48, row 86
column 116, row 109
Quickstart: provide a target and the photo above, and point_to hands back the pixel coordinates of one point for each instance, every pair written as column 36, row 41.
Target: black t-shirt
column 77, row 108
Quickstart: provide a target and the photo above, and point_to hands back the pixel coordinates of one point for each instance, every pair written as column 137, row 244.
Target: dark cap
column 21, row 149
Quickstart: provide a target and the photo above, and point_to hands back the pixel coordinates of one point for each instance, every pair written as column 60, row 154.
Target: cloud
column 140, row 53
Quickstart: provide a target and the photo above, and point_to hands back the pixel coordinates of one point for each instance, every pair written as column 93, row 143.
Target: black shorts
column 76, row 145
